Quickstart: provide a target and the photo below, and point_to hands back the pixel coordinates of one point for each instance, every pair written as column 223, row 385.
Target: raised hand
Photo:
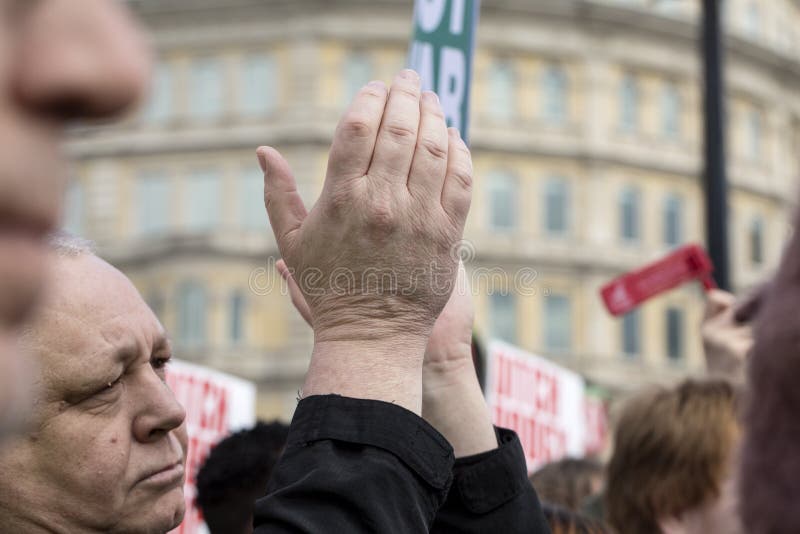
column 373, row 258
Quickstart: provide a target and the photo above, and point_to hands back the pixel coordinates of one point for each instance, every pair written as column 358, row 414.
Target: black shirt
column 354, row 465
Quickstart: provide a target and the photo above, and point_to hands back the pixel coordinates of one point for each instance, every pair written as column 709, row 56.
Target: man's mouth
column 165, row 476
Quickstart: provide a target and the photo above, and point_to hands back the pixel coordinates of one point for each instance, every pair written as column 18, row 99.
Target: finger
column 457, row 190
column 295, row 294
column 397, row 136
column 354, row 140
column 284, row 205
column 717, row 302
column 426, row 178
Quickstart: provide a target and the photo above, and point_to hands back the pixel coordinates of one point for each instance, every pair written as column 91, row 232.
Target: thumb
column 284, row 205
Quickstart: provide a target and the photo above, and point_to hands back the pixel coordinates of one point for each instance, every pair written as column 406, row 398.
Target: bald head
column 109, row 442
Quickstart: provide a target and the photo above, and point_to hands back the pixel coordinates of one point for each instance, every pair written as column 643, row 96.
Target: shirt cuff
column 378, row 424
column 490, row 479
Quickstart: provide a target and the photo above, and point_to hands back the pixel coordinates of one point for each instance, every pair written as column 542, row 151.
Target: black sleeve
column 354, row 465
column 491, row 494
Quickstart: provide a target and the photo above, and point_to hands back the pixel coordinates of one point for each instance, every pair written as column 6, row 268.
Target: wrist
column 387, row 369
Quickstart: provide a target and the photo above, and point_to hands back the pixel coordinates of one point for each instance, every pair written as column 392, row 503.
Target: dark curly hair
column 235, row 474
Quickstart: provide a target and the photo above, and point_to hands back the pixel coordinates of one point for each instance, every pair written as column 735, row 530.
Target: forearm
column 453, row 403
column 387, row 369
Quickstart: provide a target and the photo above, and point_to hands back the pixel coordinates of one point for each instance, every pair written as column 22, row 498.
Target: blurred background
column 587, row 141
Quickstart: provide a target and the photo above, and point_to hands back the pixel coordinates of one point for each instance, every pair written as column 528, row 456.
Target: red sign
column 630, row 290
column 542, row 402
column 215, row 404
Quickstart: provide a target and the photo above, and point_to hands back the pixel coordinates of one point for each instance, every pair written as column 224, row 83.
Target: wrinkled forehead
column 91, row 316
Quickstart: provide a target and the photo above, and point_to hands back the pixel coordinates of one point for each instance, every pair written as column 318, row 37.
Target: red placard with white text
column 216, row 404
column 542, row 402
column 685, row 264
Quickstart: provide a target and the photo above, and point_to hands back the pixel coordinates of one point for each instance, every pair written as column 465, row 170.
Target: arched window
column 258, row 85
column 673, row 221
column 501, row 104
column 237, row 305
column 629, row 104
column 757, row 241
column 670, row 111
column 629, row 214
column 556, row 207
column 192, row 309
column 503, row 195
column 555, row 92
column 357, row 73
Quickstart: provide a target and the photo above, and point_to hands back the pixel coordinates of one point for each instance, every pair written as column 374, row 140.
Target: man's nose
column 80, row 59
column 158, row 413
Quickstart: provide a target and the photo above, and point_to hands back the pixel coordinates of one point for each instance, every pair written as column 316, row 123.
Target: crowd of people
column 391, row 433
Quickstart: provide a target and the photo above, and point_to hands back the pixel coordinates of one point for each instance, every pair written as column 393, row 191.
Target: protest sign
column 441, row 52
column 690, row 262
column 216, row 404
column 542, row 402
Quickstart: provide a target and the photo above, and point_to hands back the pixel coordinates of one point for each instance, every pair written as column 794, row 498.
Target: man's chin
column 166, row 514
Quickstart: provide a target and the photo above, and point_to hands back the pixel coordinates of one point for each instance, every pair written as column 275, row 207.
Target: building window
column 555, row 92
column 74, row 211
column 258, row 85
column 252, row 214
column 629, row 104
column 556, row 209
column 673, row 221
column 670, row 112
column 757, row 241
column 752, row 22
column 675, row 333
column 192, row 302
column 557, row 323
column 205, row 97
column 153, row 203
column 754, row 133
column 159, row 104
column 632, row 333
column 502, row 201
column 357, row 73
column 629, row 214
column 237, row 304
column 204, row 197
column 503, row 316
column 501, row 91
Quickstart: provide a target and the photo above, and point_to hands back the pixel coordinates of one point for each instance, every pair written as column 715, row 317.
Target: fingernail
column 409, row 74
column 377, row 84
column 454, row 131
column 430, row 96
column 262, row 160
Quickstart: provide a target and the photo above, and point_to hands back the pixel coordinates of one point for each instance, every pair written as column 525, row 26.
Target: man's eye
column 160, row 362
column 112, row 385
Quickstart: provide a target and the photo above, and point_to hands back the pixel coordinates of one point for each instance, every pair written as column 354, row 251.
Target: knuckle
column 380, row 216
column 356, row 125
column 462, row 174
column 433, row 149
column 401, row 132
column 406, row 90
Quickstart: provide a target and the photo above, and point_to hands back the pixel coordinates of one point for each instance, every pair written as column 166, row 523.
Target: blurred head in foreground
column 568, row 482
column 770, row 454
column 564, row 521
column 106, row 444
column 60, row 61
column 673, row 467
column 235, row 475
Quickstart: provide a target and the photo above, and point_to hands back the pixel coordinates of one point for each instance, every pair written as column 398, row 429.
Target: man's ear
column 672, row 525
